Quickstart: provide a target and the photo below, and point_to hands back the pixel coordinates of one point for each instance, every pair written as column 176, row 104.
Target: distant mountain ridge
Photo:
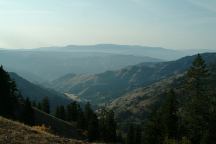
column 136, row 50
column 42, row 66
column 48, row 63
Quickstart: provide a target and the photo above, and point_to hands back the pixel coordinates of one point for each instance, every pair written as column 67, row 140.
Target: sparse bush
column 42, row 128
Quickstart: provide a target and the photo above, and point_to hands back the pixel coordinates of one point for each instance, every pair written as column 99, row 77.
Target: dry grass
column 12, row 132
column 41, row 128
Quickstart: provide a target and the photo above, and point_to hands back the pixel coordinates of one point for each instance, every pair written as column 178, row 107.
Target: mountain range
column 42, row 66
column 105, row 87
column 46, row 64
column 136, row 50
column 130, row 92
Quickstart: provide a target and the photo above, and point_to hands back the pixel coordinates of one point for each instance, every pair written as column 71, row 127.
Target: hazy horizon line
column 97, row 44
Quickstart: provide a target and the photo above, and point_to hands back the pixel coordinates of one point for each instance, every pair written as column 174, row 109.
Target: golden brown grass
column 42, row 128
column 12, row 132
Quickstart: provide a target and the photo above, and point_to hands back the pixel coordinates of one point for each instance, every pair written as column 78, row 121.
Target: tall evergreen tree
column 107, row 125
column 34, row 104
column 196, row 77
column 39, row 106
column 93, row 128
column 138, row 135
column 8, row 94
column 72, row 111
column 154, row 128
column 45, row 106
column 62, row 112
column 130, row 139
column 57, row 112
column 111, row 126
column 119, row 138
column 170, row 115
column 210, row 137
column 81, row 121
column 28, row 113
column 88, row 112
column 196, row 110
column 102, row 123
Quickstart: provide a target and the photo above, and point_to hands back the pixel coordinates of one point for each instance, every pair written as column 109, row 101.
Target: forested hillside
column 37, row 93
column 184, row 113
column 67, row 121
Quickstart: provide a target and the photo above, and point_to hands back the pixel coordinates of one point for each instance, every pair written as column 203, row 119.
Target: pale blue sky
column 175, row 24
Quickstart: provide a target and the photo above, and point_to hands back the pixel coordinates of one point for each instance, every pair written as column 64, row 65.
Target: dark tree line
column 100, row 126
column 188, row 114
column 12, row 104
column 44, row 105
column 134, row 135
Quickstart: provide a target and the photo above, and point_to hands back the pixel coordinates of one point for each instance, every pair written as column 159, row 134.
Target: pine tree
column 88, row 112
column 28, row 113
column 111, row 126
column 102, row 123
column 81, row 121
column 162, row 126
column 130, row 135
column 62, row 112
column 107, row 125
column 154, row 128
column 39, row 106
column 8, row 94
column 170, row 116
column 57, row 112
column 196, row 110
column 93, row 128
column 34, row 104
column 72, row 111
column 196, row 77
column 45, row 106
column 210, row 134
column 138, row 135
column 119, row 138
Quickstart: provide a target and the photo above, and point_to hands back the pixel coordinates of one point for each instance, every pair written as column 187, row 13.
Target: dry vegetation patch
column 12, row 132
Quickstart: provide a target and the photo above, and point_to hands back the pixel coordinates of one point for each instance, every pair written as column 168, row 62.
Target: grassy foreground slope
column 58, row 126
column 12, row 132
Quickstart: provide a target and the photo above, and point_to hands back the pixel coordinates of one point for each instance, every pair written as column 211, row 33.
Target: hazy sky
column 177, row 24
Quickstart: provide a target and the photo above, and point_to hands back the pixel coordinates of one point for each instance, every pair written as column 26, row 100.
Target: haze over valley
column 46, row 64
column 108, row 72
